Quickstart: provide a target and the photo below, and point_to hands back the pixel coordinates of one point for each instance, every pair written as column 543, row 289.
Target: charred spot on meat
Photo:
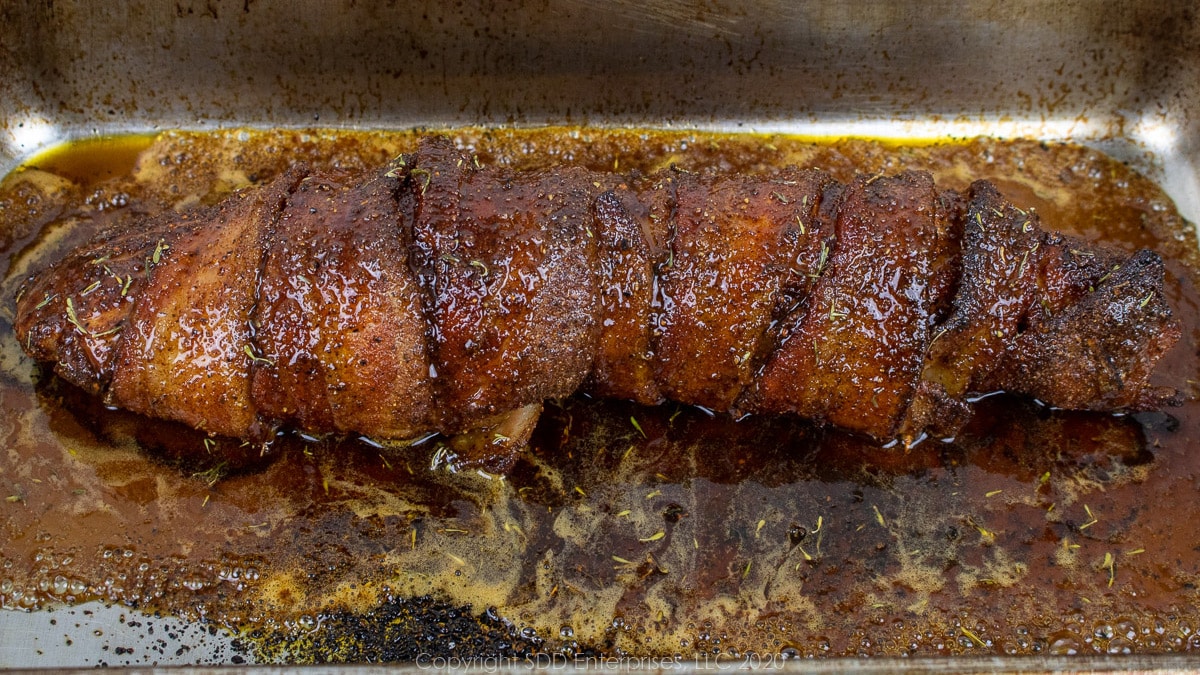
column 433, row 295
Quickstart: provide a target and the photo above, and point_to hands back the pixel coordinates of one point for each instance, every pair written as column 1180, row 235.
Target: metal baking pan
column 1119, row 76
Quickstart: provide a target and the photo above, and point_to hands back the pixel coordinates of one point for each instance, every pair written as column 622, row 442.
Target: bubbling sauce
column 622, row 529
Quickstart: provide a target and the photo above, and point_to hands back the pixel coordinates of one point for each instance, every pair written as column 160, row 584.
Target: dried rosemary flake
column 1092, row 518
column 878, row 516
column 824, row 257
column 255, row 358
column 974, row 638
column 74, row 319
column 634, row 422
column 424, row 173
column 213, row 475
column 158, row 251
column 654, row 537
column 46, row 300
column 987, row 535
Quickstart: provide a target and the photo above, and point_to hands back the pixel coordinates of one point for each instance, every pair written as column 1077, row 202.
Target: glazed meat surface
column 434, row 295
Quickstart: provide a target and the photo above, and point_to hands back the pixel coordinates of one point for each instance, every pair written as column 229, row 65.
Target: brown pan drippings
column 621, row 528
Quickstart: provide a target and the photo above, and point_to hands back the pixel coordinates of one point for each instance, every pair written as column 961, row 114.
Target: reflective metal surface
column 1118, row 74
column 1121, row 76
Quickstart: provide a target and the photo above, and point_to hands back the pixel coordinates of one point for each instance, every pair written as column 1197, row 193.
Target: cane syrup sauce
column 622, row 529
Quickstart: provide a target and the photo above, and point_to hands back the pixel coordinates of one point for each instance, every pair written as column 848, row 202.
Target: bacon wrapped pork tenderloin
column 438, row 296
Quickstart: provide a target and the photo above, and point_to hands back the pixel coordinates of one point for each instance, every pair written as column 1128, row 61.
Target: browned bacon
column 437, row 296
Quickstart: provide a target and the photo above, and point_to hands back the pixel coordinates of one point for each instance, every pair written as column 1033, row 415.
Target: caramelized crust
column 1111, row 340
column 856, row 352
column 510, row 261
column 438, row 296
column 75, row 316
column 186, row 350
column 736, row 240
column 340, row 320
column 623, row 367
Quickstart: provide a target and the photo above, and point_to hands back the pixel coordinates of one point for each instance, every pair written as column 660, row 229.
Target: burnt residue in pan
column 622, row 530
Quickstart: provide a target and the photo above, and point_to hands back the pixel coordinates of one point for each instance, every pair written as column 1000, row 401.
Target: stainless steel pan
column 1122, row 76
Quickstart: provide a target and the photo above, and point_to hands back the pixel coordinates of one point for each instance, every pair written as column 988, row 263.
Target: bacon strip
column 437, row 296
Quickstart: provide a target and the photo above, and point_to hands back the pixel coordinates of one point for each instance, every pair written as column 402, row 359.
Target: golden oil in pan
column 92, row 160
column 622, row 529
